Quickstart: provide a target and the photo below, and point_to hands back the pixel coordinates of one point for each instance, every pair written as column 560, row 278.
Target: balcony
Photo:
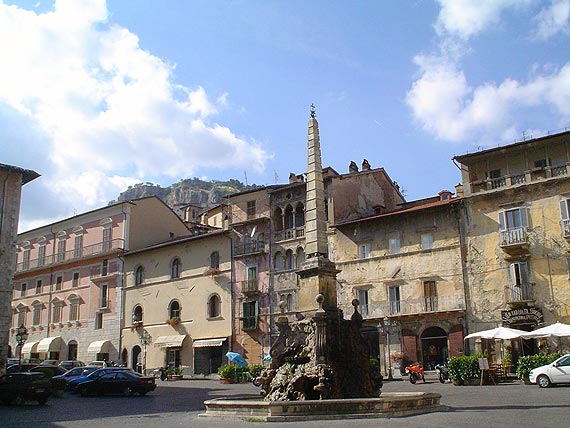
column 250, row 286
column 249, row 248
column 72, row 255
column 565, row 225
column 519, row 293
column 424, row 305
column 295, row 233
column 514, row 240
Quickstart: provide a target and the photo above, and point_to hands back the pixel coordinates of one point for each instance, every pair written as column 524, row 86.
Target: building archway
column 434, row 347
column 124, row 357
column 136, row 359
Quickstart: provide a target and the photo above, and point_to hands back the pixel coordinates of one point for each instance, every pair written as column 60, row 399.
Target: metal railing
column 515, row 236
column 250, row 285
column 249, row 248
column 87, row 251
column 519, row 292
column 559, row 170
column 297, row 232
column 422, row 305
column 518, row 179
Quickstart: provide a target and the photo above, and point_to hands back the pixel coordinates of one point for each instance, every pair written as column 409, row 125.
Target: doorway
column 434, row 347
column 136, row 359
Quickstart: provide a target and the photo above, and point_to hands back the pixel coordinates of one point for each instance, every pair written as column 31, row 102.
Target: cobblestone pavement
column 179, row 404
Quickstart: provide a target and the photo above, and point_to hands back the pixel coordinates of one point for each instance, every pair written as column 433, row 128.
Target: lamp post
column 145, row 339
column 21, row 337
column 390, row 326
column 381, row 348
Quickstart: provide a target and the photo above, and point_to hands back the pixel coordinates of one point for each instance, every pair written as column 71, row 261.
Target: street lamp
column 21, row 337
column 390, row 326
column 145, row 339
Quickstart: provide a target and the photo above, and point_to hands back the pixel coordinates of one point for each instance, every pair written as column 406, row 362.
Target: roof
column 468, row 156
column 27, row 174
column 177, row 240
column 425, row 206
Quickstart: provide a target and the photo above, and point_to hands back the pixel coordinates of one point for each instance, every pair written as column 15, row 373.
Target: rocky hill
column 187, row 191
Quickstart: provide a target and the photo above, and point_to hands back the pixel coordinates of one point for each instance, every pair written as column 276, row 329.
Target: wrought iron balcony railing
column 249, row 248
column 513, row 237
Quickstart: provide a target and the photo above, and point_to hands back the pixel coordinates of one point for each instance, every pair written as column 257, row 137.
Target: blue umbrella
column 237, row 359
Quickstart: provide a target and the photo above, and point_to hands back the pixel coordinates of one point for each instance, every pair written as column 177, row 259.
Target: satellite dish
column 253, row 231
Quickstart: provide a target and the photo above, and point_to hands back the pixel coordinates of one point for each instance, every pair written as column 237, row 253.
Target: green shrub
column 528, row 362
column 255, row 370
column 227, row 371
column 464, row 367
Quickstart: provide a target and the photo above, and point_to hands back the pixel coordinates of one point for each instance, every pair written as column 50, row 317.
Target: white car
column 556, row 372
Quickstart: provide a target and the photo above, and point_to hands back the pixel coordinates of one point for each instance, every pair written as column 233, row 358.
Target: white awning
column 30, row 347
column 170, row 341
column 50, row 344
column 205, row 343
column 99, row 347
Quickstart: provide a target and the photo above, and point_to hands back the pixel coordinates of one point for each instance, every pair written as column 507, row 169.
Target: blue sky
column 96, row 95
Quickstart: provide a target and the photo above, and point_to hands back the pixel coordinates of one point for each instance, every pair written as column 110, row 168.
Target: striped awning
column 99, row 347
column 50, row 344
column 170, row 341
column 30, row 348
column 205, row 343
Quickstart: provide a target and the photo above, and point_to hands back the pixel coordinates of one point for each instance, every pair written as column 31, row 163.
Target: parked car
column 24, row 367
column 49, row 363
column 98, row 363
column 12, row 361
column 49, row 370
column 20, row 387
column 74, row 383
column 117, row 382
column 69, row 364
column 76, row 373
column 556, row 372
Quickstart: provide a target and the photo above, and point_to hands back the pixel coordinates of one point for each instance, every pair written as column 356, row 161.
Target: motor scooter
column 161, row 373
column 442, row 372
column 416, row 372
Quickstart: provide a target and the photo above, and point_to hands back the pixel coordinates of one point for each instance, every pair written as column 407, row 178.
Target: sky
column 98, row 95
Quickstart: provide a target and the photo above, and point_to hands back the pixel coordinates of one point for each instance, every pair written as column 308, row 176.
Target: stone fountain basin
column 389, row 405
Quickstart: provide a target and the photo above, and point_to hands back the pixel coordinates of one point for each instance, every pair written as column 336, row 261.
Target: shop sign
column 522, row 316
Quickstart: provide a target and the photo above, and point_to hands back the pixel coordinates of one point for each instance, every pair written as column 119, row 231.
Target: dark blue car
column 72, row 384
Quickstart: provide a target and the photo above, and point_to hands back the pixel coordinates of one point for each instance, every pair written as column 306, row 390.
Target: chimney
column 352, row 168
column 365, row 165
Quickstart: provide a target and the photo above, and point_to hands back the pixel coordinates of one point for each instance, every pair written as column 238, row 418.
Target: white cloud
column 111, row 112
column 553, row 19
column 464, row 18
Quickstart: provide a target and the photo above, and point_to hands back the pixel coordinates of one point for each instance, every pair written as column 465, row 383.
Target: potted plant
column 212, row 271
column 227, row 373
column 174, row 373
column 174, row 321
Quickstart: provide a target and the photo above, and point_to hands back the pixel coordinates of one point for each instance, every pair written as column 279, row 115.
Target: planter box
column 226, row 380
column 174, row 377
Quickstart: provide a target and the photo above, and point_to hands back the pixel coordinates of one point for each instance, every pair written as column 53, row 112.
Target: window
column 37, row 315
column 173, row 357
column 565, row 218
column 250, row 312
column 38, row 286
column 26, row 259
column 300, row 257
column 520, row 287
column 252, row 278
column 288, row 299
column 139, row 275
column 42, row 254
column 363, row 302
column 74, row 309
column 56, row 312
column 364, row 251
column 430, row 296
column 175, row 268
column 107, row 237
column 78, row 246
column 394, row 245
column 215, row 260
column 174, row 309
column 22, row 316
column 426, row 241
column 105, row 267
column 61, row 247
column 541, row 163
column 103, row 296
column 58, row 282
column 214, row 306
column 495, row 173
column 394, row 296
column 289, row 260
column 299, row 215
column 23, row 288
column 288, row 217
column 98, row 321
column 137, row 314
column 513, row 219
column 251, row 209
column 279, row 261
column 75, row 280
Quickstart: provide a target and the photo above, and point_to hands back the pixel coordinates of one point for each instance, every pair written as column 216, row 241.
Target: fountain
column 320, row 368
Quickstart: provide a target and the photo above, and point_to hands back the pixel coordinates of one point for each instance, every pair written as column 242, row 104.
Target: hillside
column 187, row 191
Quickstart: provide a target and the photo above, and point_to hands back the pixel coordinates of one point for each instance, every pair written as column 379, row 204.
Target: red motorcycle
column 416, row 372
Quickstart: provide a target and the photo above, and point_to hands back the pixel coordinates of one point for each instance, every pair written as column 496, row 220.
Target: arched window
column 289, row 260
column 137, row 314
column 139, row 275
column 277, row 220
column 174, row 309
column 279, row 261
column 299, row 215
column 215, row 260
column 289, row 217
column 214, row 306
column 300, row 259
column 175, row 268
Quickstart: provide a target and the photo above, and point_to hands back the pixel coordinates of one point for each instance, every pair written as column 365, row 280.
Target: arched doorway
column 136, row 359
column 434, row 347
column 72, row 350
column 124, row 357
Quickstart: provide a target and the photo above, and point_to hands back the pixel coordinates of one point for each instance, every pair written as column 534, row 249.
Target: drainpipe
column 121, row 286
column 462, row 229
